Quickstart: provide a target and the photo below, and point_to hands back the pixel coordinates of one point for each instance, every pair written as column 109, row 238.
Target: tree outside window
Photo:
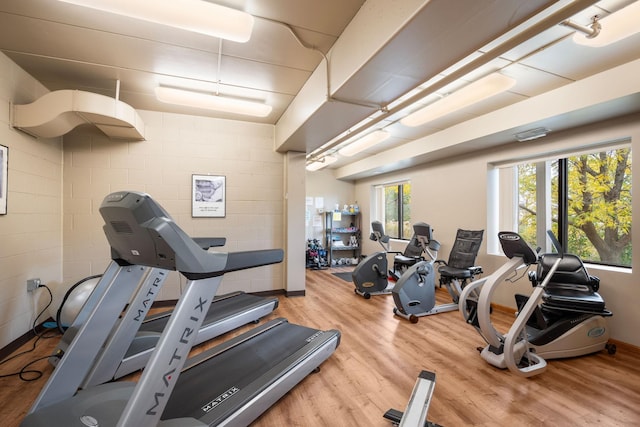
column 591, row 212
column 396, row 204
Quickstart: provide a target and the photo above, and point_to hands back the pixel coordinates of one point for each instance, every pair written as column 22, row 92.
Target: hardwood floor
column 380, row 355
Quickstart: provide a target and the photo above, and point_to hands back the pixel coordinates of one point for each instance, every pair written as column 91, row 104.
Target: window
column 585, row 199
column 393, row 209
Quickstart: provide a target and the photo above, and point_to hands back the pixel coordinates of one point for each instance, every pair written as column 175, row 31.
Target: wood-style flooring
column 379, row 357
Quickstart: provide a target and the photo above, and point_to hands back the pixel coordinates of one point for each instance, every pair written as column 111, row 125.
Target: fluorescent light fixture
column 367, row 141
column 191, row 15
column 212, row 102
column 532, row 134
column 321, row 163
column 617, row 26
column 477, row 91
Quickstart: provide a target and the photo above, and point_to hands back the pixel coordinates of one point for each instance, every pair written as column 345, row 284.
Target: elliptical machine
column 414, row 293
column 370, row 276
column 563, row 317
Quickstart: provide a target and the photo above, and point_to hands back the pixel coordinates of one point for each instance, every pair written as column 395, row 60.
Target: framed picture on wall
column 4, row 163
column 208, row 197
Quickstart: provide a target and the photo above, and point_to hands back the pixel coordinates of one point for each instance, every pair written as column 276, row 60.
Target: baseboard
column 503, row 308
column 294, row 293
column 14, row 345
column 273, row 293
column 625, row 347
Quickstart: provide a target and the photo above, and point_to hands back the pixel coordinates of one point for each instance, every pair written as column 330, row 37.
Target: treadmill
column 227, row 312
column 230, row 384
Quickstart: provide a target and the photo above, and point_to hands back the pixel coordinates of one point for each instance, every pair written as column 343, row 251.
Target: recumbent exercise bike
column 371, row 276
column 414, row 293
column 563, row 317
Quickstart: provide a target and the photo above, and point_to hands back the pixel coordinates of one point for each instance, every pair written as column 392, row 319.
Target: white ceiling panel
column 70, row 47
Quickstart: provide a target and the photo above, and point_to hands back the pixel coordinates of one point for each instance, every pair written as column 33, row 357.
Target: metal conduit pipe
column 556, row 18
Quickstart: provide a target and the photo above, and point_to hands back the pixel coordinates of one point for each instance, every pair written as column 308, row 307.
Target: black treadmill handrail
column 241, row 261
column 141, row 232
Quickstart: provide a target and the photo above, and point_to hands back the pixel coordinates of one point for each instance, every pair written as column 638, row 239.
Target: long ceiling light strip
column 367, row 141
column 617, row 26
column 191, row 15
column 321, row 163
column 212, row 102
column 477, row 91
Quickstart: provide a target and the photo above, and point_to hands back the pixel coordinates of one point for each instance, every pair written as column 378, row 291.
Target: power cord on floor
column 25, row 373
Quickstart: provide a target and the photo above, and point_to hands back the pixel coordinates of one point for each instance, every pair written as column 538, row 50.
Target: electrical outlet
column 32, row 284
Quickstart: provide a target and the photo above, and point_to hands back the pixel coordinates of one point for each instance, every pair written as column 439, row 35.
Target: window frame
column 379, row 212
column 502, row 206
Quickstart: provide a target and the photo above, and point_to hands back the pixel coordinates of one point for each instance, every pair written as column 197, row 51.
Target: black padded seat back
column 422, row 237
column 413, row 249
column 463, row 255
column 411, row 255
column 571, row 274
column 465, row 248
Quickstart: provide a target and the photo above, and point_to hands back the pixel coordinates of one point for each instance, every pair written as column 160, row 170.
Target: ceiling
column 65, row 46
column 382, row 55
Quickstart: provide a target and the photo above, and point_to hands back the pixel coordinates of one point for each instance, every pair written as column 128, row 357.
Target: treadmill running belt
column 199, row 388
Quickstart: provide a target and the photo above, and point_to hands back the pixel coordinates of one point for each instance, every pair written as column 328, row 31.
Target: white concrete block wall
column 31, row 231
column 178, row 146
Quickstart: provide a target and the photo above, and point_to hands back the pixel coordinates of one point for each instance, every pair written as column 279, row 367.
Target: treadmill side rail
column 159, row 378
column 119, row 284
column 119, row 340
column 295, row 373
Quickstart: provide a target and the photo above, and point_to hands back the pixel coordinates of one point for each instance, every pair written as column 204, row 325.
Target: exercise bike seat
column 411, row 255
column 459, row 273
column 571, row 273
column 571, row 300
column 571, row 287
column 421, row 242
